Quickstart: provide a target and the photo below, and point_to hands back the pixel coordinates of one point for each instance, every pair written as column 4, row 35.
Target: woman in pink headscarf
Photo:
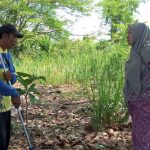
column 137, row 85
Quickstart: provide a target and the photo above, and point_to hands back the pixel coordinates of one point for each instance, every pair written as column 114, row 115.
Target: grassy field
column 100, row 72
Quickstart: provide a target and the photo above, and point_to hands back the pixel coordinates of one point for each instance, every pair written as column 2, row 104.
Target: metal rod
column 25, row 130
column 20, row 115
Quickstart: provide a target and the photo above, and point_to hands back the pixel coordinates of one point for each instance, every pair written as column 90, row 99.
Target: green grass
column 101, row 73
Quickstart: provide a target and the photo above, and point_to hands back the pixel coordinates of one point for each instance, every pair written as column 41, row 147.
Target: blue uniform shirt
column 6, row 91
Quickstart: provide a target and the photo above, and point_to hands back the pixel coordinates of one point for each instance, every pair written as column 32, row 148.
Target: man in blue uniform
column 8, row 94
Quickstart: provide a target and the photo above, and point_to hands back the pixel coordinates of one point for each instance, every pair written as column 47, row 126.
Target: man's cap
column 9, row 28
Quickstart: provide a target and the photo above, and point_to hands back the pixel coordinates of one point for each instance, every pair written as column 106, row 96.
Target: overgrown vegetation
column 47, row 51
column 99, row 71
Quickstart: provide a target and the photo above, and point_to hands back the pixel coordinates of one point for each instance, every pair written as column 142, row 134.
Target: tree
column 118, row 13
column 38, row 20
column 39, row 16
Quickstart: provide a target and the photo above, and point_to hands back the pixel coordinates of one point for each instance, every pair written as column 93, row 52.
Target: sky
column 144, row 15
column 91, row 24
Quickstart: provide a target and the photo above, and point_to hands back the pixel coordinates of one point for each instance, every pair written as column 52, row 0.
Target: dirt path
column 61, row 123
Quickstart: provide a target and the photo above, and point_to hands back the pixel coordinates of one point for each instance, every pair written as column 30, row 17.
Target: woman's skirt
column 140, row 114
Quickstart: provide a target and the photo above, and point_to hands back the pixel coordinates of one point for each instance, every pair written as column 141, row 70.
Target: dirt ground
column 60, row 122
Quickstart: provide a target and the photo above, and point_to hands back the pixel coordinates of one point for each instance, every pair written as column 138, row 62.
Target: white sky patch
column 86, row 25
column 92, row 24
column 144, row 15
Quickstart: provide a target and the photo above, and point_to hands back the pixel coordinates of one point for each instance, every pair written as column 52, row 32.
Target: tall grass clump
column 108, row 81
column 101, row 73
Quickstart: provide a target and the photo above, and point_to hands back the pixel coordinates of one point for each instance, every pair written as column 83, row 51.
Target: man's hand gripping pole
column 20, row 115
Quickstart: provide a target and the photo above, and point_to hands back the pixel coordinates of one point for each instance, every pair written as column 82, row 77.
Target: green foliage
column 101, row 45
column 99, row 71
column 37, row 14
column 108, row 84
column 60, row 63
column 38, row 19
column 118, row 13
column 29, row 86
column 47, row 53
